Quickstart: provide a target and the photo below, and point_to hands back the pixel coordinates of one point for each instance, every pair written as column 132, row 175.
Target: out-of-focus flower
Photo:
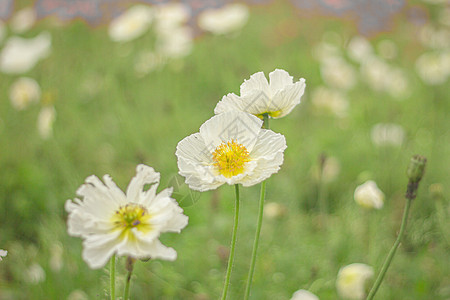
column 176, row 43
column 387, row 49
column 127, row 224
column 351, row 281
column 369, row 196
column 333, row 101
column 359, row 49
column 330, row 170
column 444, row 16
column 336, row 72
column 397, row 84
column 258, row 97
column 230, row 148
column 148, row 61
column 20, row 55
column 23, row 92
column 304, row 295
column 373, row 71
column 324, row 51
column 434, row 67
column 46, row 118
column 435, row 37
column 274, row 210
column 56, row 260
column 131, row 24
column 34, row 274
column 23, row 20
column 170, row 16
column 385, row 134
column 3, row 253
column 227, row 19
column 77, row 295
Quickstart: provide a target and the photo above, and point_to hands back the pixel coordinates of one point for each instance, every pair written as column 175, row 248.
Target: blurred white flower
column 127, row 224
column 170, row 16
column 331, row 169
column 338, row 73
column 131, row 24
column 225, row 20
column 230, row 148
column 148, row 61
column 20, row 55
column 34, row 274
column 3, row 253
column 274, row 210
column 258, row 97
column 325, row 50
column 77, row 295
column 387, row 49
column 331, row 100
column 56, row 257
column 23, row 92
column 434, row 67
column 369, row 196
column 351, row 281
column 175, row 44
column 359, row 49
column 23, row 20
column 397, row 84
column 46, row 118
column 373, row 71
column 304, row 295
column 385, row 134
column 435, row 37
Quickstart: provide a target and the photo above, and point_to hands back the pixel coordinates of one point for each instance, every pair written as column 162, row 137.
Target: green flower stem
column 258, row 227
column 233, row 245
column 256, row 241
column 391, row 254
column 126, row 292
column 112, row 276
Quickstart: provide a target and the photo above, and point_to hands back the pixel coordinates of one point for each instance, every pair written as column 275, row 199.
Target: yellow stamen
column 131, row 216
column 230, row 158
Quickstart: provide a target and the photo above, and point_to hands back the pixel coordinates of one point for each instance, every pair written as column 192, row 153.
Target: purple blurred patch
column 6, row 8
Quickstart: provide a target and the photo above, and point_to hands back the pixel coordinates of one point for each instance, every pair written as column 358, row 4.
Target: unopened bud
column 416, row 168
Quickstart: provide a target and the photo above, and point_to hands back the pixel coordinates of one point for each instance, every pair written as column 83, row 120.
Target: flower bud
column 416, row 168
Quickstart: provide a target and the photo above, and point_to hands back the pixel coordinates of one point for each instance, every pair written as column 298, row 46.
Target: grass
column 109, row 120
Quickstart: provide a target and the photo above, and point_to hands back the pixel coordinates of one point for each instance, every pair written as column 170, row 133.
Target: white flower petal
column 257, row 82
column 239, row 126
column 287, row 98
column 279, row 79
column 144, row 175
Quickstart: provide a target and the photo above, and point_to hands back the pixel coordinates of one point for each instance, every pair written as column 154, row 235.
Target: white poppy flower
column 131, row 24
column 20, row 55
column 3, row 253
column 258, row 97
column 176, row 43
column 34, row 274
column 45, row 121
column 171, row 16
column 227, row 19
column 230, row 148
column 127, row 224
column 338, row 73
column 359, row 49
column 368, row 195
column 351, row 281
column 304, row 295
column 23, row 20
column 334, row 101
column 23, row 92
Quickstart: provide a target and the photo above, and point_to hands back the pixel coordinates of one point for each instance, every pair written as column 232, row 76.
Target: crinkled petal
column 279, row 79
column 234, row 125
column 98, row 249
column 287, row 98
column 144, row 175
column 257, row 82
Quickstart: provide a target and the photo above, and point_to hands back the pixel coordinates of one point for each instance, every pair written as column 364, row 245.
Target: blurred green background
column 109, row 118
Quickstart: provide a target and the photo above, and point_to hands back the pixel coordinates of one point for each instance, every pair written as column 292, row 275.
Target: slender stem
column 233, row 245
column 256, row 241
column 126, row 292
column 391, row 254
column 112, row 276
column 258, row 227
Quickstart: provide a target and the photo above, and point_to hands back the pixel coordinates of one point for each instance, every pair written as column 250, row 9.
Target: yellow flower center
column 272, row 114
column 230, row 158
column 131, row 216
